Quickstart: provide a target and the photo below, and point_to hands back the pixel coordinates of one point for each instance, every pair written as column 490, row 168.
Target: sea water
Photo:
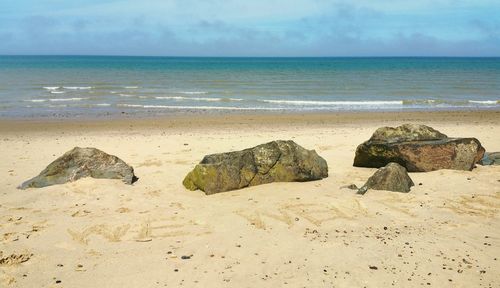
column 75, row 86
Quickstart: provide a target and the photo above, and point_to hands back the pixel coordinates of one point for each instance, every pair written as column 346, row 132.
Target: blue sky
column 251, row 28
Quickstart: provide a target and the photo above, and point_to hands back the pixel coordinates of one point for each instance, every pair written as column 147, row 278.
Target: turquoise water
column 32, row 86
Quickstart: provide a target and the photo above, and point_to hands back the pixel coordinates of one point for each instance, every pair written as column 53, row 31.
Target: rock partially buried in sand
column 277, row 161
column 392, row 177
column 492, row 158
column 79, row 163
column 418, row 148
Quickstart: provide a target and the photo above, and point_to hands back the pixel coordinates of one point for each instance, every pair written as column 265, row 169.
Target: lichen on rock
column 276, row 161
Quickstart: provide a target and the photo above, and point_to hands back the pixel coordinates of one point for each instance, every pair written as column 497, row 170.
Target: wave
column 196, row 107
column 57, row 92
column 489, row 102
column 131, row 87
column 36, row 100
column 66, row 99
column 332, row 103
column 77, row 87
column 198, row 98
column 51, row 87
column 451, row 103
column 126, row 95
column 192, row 92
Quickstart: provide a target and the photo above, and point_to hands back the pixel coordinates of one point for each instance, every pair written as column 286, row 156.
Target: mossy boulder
column 418, row 148
column 392, row 177
column 277, row 161
column 79, row 163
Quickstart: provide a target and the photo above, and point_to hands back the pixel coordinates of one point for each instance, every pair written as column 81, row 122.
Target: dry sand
column 102, row 233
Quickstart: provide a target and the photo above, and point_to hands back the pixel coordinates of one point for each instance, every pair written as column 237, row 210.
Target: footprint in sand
column 150, row 163
column 14, row 259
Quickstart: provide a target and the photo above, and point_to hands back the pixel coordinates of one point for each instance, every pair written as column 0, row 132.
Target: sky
column 250, row 28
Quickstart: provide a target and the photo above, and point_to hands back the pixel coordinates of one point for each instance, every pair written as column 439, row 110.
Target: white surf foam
column 198, row 98
column 51, row 88
column 57, row 92
column 192, row 92
column 488, row 102
column 36, row 100
column 332, row 103
column 77, row 87
column 131, row 87
column 196, row 107
column 66, row 99
column 130, row 105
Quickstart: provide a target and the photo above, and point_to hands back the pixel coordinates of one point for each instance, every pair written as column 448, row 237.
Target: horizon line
column 205, row 56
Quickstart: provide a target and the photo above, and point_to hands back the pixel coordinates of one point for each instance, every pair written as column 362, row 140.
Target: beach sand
column 102, row 233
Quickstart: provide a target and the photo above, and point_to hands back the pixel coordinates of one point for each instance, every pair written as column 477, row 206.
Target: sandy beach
column 156, row 233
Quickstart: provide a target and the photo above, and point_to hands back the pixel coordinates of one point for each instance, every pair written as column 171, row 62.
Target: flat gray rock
column 79, row 163
column 490, row 158
column 392, row 177
column 277, row 161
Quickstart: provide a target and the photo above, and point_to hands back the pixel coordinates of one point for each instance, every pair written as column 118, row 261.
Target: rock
column 392, row 177
column 79, row 163
column 418, row 148
column 492, row 158
column 277, row 161
column 350, row 186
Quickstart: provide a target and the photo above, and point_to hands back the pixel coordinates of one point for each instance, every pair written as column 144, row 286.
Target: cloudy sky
column 251, row 28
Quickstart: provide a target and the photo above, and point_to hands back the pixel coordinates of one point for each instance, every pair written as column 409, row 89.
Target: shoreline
column 248, row 120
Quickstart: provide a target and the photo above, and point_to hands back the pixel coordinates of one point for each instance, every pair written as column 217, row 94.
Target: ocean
column 90, row 86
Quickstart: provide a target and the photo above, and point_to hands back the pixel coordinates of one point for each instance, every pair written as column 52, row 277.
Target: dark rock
column 79, row 163
column 491, row 158
column 392, row 177
column 277, row 161
column 418, row 148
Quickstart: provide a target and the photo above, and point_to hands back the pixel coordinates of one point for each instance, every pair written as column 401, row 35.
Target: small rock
column 351, row 186
column 373, row 267
column 392, row 177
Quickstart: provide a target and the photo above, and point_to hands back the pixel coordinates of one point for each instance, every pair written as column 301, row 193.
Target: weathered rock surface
column 277, row 161
column 491, row 158
column 418, row 148
column 79, row 163
column 392, row 177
